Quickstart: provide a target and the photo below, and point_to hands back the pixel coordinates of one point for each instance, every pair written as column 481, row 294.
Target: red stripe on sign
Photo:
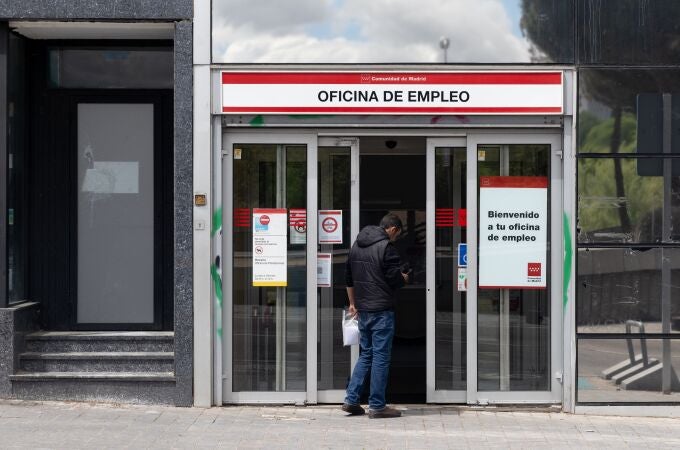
column 444, row 217
column 242, row 217
column 330, row 212
column 395, row 78
column 298, row 217
column 392, row 110
column 513, row 182
column 462, row 217
column 270, row 211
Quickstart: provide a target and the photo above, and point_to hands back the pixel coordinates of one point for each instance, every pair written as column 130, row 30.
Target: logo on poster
column 263, row 223
column 329, row 224
column 533, row 270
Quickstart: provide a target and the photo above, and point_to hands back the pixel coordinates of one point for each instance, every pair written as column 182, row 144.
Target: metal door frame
column 474, row 139
column 433, row 395
column 338, row 395
column 310, row 394
column 313, row 139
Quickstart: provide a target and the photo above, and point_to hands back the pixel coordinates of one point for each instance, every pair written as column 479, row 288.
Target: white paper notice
column 513, row 221
column 112, row 177
column 330, row 226
column 324, row 264
column 270, row 247
column 298, row 226
column 462, row 279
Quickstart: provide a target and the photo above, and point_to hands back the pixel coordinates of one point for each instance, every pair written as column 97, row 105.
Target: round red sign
column 329, row 224
column 264, row 219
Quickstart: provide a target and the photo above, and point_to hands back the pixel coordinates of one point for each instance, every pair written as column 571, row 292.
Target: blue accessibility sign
column 462, row 255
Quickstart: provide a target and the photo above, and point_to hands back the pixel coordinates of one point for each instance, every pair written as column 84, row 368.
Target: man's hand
column 406, row 277
column 353, row 311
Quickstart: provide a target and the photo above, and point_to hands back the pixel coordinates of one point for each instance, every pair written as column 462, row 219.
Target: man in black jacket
column 373, row 274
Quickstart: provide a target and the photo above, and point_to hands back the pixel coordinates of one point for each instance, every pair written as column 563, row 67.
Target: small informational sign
column 462, row 255
column 298, row 226
column 462, row 279
column 513, row 220
column 330, row 226
column 324, row 264
column 270, row 247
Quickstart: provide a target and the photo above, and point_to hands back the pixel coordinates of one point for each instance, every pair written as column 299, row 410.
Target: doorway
column 399, row 188
column 457, row 339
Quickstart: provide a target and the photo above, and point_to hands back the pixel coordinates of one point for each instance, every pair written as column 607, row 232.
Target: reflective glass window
column 628, row 370
column 111, row 68
column 621, row 110
column 628, row 31
column 333, row 357
column 619, row 285
column 393, row 31
column 621, row 200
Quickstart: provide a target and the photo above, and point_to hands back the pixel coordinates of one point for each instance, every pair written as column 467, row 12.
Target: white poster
column 330, row 226
column 298, row 226
column 324, row 264
column 513, row 221
column 270, row 247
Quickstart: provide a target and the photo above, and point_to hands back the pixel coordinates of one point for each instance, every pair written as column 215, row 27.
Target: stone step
column 114, row 387
column 96, row 341
column 89, row 376
column 97, row 362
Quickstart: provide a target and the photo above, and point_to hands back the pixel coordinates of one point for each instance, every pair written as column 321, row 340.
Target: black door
column 103, row 180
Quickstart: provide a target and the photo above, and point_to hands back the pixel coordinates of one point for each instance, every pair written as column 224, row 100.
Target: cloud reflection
column 360, row 31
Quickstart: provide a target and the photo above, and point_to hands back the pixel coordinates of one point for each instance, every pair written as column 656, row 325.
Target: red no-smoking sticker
column 329, row 224
column 330, row 227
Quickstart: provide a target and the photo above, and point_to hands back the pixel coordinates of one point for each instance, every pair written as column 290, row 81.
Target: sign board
column 513, row 221
column 324, row 264
column 270, row 247
column 298, row 225
column 330, row 226
column 462, row 255
column 492, row 92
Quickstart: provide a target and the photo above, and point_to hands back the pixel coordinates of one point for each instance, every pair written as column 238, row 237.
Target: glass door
column 269, row 264
column 338, row 221
column 446, row 270
column 514, row 313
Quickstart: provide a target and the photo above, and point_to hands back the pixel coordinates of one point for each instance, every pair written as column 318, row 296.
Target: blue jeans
column 377, row 331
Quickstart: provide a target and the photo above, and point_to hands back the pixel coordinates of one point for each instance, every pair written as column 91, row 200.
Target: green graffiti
column 257, row 121
column 567, row 261
column 217, row 281
column 216, row 221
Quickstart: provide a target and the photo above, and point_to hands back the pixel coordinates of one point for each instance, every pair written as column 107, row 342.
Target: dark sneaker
column 353, row 410
column 385, row 413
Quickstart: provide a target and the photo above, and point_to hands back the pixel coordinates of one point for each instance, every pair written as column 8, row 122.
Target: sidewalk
column 59, row 425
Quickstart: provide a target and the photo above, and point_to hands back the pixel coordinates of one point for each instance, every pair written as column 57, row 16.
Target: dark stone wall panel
column 15, row 323
column 96, row 9
column 183, row 179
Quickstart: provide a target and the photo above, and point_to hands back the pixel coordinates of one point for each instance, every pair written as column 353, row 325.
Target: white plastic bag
column 350, row 329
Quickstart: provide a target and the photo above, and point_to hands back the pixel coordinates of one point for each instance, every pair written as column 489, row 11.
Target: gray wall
column 181, row 12
column 96, row 9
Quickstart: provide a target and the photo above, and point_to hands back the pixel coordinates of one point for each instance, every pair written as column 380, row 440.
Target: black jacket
column 374, row 270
